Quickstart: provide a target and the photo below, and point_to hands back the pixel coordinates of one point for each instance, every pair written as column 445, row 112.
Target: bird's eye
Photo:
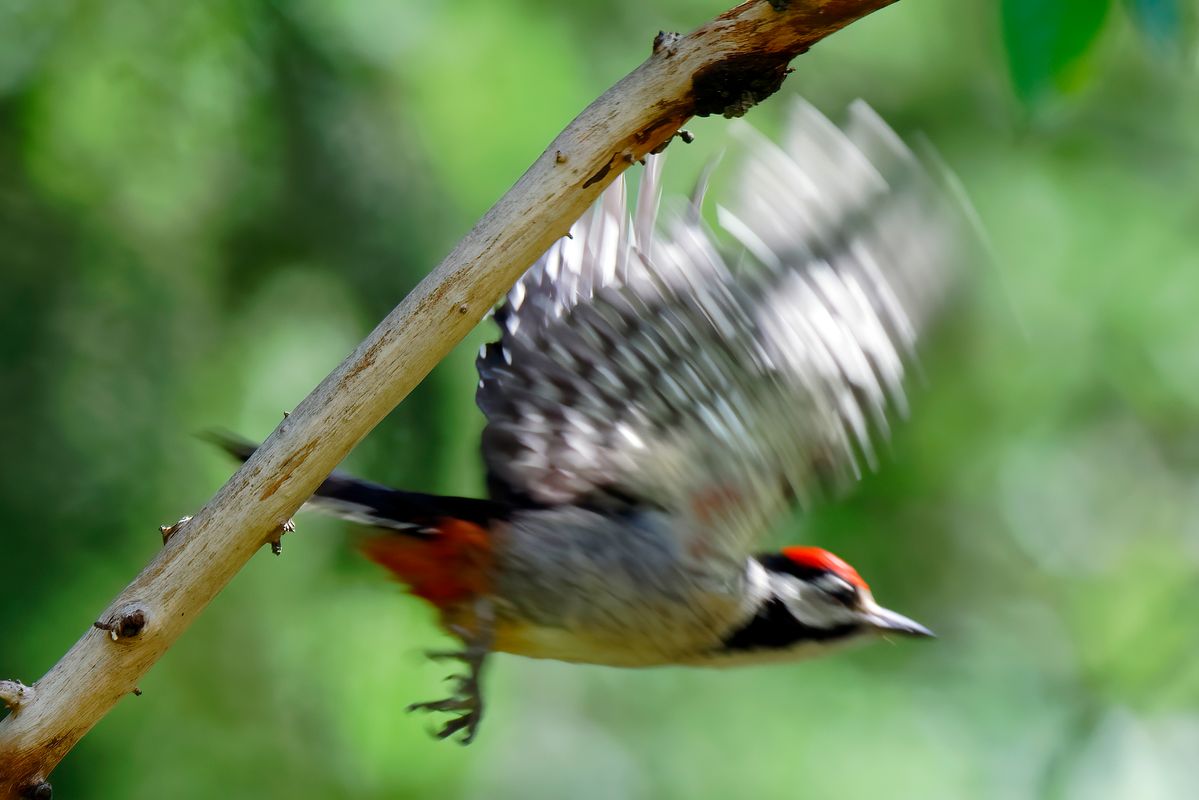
column 838, row 589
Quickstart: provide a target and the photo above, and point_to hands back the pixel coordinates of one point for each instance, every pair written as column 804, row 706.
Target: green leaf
column 1159, row 20
column 1046, row 40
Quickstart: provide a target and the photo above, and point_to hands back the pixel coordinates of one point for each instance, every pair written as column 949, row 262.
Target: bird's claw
column 468, row 721
column 456, row 703
column 466, row 700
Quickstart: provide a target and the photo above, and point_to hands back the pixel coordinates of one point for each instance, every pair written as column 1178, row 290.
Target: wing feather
column 651, row 365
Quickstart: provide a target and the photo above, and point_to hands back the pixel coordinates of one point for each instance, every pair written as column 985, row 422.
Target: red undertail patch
column 445, row 569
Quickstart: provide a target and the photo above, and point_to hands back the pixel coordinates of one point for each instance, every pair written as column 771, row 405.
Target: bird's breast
column 582, row 586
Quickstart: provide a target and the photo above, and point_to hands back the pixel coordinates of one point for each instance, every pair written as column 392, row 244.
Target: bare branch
column 724, row 67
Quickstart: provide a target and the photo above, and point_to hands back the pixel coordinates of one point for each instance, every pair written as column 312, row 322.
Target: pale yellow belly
column 562, row 645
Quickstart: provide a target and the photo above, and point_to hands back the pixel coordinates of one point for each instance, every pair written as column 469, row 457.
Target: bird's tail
column 373, row 504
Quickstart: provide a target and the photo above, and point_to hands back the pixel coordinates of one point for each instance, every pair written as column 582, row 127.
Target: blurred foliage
column 1045, row 40
column 204, row 206
column 1162, row 21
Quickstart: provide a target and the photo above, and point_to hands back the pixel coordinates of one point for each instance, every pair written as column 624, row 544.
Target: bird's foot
column 467, row 699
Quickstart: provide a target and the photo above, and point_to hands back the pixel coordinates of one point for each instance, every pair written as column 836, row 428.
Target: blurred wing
column 643, row 367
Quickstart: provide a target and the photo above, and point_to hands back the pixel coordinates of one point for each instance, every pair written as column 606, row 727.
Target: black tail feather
column 376, row 505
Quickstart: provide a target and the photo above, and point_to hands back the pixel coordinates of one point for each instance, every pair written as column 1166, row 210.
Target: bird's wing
column 644, row 366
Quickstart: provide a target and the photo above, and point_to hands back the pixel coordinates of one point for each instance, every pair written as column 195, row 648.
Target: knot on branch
column 665, row 40
column 738, row 83
column 37, row 789
column 276, row 541
column 124, row 623
column 168, row 531
column 14, row 694
column 686, row 136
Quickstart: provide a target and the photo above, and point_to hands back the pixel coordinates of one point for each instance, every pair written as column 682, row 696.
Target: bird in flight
column 660, row 396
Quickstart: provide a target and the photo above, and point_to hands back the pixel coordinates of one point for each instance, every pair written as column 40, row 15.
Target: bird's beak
column 885, row 620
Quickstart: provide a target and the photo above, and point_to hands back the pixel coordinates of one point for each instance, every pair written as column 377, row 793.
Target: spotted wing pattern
column 717, row 375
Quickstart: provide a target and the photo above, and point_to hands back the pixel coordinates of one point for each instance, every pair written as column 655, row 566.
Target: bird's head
column 813, row 600
column 821, row 589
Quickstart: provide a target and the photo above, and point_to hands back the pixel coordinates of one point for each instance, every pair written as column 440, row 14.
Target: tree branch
column 724, row 67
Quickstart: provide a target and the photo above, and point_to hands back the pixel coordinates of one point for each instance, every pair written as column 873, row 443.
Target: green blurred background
column 205, row 205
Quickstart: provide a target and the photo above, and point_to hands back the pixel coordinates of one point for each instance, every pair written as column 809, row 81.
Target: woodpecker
column 660, row 395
